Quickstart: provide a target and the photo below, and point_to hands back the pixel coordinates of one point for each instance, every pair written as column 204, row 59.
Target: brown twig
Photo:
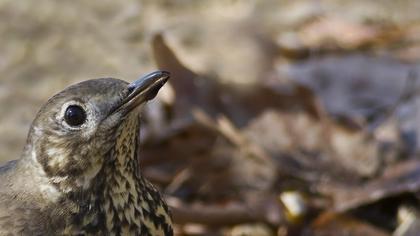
column 213, row 215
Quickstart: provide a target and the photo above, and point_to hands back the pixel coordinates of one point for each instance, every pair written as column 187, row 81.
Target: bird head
column 76, row 130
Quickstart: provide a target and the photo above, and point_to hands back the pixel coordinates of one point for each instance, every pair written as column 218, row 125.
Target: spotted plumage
column 79, row 174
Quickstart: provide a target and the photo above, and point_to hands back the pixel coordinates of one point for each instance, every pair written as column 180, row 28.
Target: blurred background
column 282, row 117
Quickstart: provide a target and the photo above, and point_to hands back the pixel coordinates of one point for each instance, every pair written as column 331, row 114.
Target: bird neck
column 119, row 199
column 129, row 199
column 111, row 202
column 124, row 154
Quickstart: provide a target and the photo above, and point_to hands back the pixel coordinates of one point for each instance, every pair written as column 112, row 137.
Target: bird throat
column 123, row 202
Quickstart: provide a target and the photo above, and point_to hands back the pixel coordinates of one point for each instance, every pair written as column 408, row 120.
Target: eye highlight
column 75, row 115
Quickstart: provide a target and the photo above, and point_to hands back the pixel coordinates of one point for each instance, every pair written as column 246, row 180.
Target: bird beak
column 143, row 90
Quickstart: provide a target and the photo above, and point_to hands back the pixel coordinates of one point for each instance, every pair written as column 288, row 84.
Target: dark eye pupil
column 75, row 115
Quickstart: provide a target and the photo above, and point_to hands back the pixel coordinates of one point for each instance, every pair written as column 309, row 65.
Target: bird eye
column 75, row 115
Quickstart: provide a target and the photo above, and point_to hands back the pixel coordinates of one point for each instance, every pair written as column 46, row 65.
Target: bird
column 78, row 173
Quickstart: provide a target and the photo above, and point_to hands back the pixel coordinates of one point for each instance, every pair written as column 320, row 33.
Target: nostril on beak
column 131, row 88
